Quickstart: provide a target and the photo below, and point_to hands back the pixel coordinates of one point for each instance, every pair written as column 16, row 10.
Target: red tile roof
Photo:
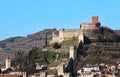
column 9, row 75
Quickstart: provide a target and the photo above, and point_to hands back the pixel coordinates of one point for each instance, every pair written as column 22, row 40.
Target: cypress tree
column 46, row 40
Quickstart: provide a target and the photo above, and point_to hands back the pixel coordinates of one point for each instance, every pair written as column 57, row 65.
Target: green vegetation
column 106, row 35
column 118, row 73
column 46, row 43
column 96, row 54
column 56, row 45
column 72, row 41
column 7, row 71
column 26, row 62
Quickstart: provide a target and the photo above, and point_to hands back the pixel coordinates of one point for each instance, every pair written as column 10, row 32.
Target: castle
column 84, row 31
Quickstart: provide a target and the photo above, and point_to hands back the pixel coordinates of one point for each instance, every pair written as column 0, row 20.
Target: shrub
column 56, row 45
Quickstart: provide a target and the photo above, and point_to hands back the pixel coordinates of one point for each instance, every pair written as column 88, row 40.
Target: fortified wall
column 65, row 34
column 85, row 30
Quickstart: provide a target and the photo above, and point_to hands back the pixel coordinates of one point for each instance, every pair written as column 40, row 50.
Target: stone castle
column 85, row 30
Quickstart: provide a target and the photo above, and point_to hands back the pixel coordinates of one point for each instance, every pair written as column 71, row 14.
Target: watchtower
column 8, row 62
column 72, row 52
column 95, row 20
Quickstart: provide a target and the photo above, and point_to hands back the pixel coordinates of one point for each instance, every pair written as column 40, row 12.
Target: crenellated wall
column 86, row 30
column 68, row 33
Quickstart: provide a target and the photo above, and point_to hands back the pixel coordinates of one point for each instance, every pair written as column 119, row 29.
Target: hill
column 117, row 31
column 14, row 44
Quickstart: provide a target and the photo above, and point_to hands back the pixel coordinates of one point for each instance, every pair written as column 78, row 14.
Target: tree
column 7, row 71
column 0, row 71
column 56, row 45
column 31, row 68
column 46, row 40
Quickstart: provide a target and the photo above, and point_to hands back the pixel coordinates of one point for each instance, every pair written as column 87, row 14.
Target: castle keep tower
column 95, row 20
column 92, row 25
column 8, row 62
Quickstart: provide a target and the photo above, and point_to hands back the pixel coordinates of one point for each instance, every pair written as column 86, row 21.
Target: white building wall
column 8, row 63
column 50, row 75
column 66, row 74
column 43, row 74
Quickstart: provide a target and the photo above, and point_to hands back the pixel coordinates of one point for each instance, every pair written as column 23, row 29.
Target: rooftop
column 9, row 75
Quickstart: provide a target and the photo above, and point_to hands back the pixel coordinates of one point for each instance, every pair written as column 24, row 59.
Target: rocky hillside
column 118, row 32
column 14, row 44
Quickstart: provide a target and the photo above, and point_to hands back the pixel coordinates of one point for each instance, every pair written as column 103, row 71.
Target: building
column 23, row 74
column 7, row 64
column 85, row 30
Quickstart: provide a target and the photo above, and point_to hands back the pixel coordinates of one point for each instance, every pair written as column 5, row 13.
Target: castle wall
column 86, row 30
column 87, row 26
column 72, row 52
column 55, row 39
column 69, row 33
column 90, row 34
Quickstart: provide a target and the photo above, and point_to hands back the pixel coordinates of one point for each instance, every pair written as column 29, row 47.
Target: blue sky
column 22, row 17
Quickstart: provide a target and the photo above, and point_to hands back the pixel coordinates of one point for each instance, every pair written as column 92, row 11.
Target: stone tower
column 81, row 37
column 95, row 20
column 72, row 52
column 8, row 62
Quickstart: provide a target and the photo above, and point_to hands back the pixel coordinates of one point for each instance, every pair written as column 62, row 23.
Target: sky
column 23, row 17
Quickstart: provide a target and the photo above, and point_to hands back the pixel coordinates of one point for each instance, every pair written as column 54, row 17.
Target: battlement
column 93, row 25
column 87, row 26
column 65, row 34
column 69, row 30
